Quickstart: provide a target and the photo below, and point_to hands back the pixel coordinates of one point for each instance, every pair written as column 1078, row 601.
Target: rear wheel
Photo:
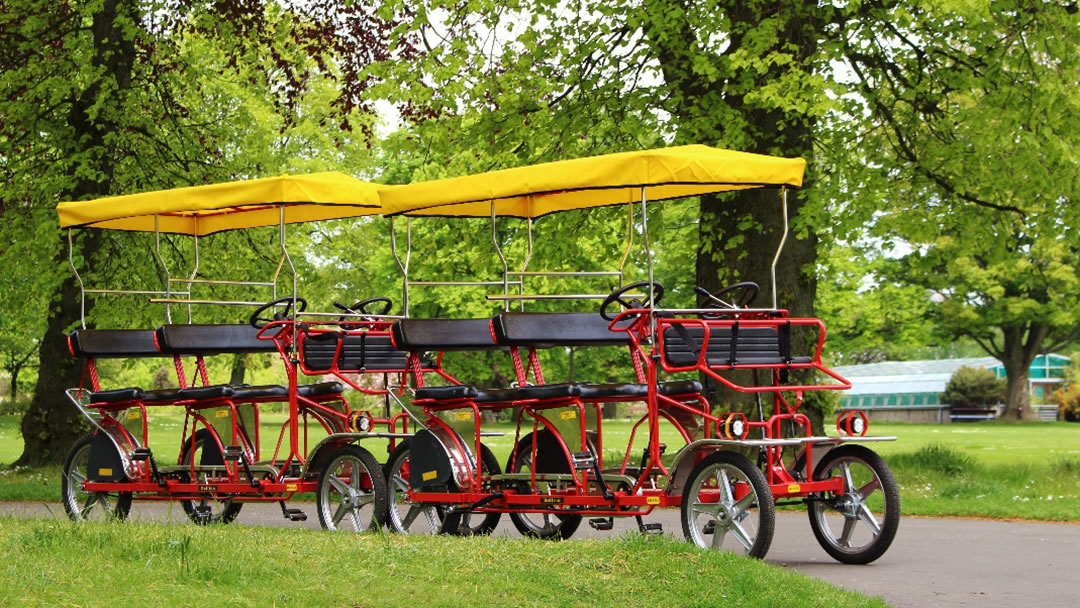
column 858, row 525
column 548, row 526
column 81, row 505
column 352, row 491
column 461, row 523
column 727, row 506
column 208, row 509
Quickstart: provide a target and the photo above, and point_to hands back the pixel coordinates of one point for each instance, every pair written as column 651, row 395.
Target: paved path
column 932, row 562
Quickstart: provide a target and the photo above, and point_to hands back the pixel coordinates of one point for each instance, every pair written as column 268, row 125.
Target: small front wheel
column 845, row 524
column 403, row 516
column 81, row 505
column 352, row 491
column 727, row 505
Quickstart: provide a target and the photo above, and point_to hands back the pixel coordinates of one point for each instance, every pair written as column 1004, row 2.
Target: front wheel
column 81, row 505
column 845, row 524
column 403, row 516
column 727, row 506
column 463, row 523
column 352, row 491
column 208, row 509
column 551, row 525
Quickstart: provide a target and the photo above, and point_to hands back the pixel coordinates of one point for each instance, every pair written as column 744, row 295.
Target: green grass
column 45, row 563
column 994, row 469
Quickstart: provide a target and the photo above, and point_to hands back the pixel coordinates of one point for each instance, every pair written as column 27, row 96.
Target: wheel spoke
column 849, row 528
column 849, row 484
column 410, row 517
column 400, row 483
column 868, row 518
column 725, row 488
column 339, row 513
column 719, row 532
column 432, row 516
column 91, row 498
column 705, row 508
column 354, row 513
column 354, row 475
column 77, row 478
column 743, row 504
column 338, row 484
column 363, row 499
column 869, row 488
column 741, row 535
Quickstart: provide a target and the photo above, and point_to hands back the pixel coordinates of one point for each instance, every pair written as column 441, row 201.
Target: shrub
column 935, row 457
column 973, row 387
column 1067, row 399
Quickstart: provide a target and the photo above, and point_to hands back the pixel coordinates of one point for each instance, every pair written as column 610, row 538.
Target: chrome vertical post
column 168, row 279
column 502, row 258
column 82, row 288
column 780, row 247
column 649, row 261
column 629, row 239
column 403, row 267
column 194, row 270
column 525, row 264
column 285, row 254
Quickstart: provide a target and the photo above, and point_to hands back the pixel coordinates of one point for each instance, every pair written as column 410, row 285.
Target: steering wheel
column 745, row 292
column 258, row 321
column 361, row 308
column 617, row 296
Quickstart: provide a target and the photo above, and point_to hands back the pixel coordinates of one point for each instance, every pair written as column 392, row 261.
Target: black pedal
column 602, row 523
column 709, row 527
column 140, row 454
column 583, row 461
column 292, row 514
column 233, row 453
column 143, row 454
column 201, row 514
column 656, row 528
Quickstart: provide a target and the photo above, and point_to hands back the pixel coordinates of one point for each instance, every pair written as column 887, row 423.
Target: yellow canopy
column 201, row 210
column 594, row 181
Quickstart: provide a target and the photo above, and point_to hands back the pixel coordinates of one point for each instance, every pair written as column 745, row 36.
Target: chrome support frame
column 780, row 247
column 285, row 255
column 403, row 266
column 648, row 259
column 525, row 264
column 157, row 255
column 629, row 238
column 82, row 288
column 560, row 296
column 502, row 258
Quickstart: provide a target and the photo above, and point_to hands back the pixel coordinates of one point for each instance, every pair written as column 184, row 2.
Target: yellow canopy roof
column 594, row 181
column 201, row 210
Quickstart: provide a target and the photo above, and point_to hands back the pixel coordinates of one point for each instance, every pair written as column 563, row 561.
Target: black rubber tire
column 766, row 524
column 378, row 485
column 568, row 523
column 401, row 451
column 452, row 522
column 230, row 509
column 889, row 489
column 69, row 494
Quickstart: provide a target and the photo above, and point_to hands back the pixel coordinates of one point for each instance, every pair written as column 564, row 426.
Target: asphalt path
column 932, row 562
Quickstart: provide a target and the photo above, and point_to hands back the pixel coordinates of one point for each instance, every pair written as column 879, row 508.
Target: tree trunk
column 14, row 371
column 51, row 424
column 1017, row 355
column 239, row 366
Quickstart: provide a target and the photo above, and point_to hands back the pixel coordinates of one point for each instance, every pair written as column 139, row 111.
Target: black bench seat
column 117, row 395
column 440, row 335
column 752, row 346
column 209, row 340
column 112, row 343
column 587, row 392
column 597, row 392
column 548, row 329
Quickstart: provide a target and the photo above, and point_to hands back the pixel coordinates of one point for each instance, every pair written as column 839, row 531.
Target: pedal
column 233, row 453
column 602, row 523
column 144, row 453
column 201, row 514
column 140, row 454
column 710, row 527
column 655, row 528
column 583, row 461
column 292, row 514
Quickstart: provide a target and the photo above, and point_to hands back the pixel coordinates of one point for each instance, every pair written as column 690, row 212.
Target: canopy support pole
column 629, row 238
column 82, row 288
column 194, row 270
column 648, row 259
column 403, row 266
column 168, row 279
column 502, row 258
column 285, row 255
column 780, row 247
column 525, row 264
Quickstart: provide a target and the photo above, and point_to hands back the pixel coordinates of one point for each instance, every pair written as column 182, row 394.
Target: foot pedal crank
column 292, row 514
column 583, row 461
column 644, row 528
column 201, row 514
column 144, row 453
column 710, row 527
column 602, row 523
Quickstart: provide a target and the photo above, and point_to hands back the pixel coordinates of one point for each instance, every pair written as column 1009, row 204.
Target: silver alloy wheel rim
column 551, row 524
column 852, row 508
column 341, row 499
column 81, row 503
column 413, row 516
column 727, row 524
column 217, row 506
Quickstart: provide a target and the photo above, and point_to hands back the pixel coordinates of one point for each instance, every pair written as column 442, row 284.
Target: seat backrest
column 369, row 352
column 752, row 345
column 540, row 329
column 437, row 335
column 107, row 343
column 211, row 340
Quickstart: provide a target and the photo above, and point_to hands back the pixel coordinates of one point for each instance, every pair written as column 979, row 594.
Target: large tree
column 117, row 96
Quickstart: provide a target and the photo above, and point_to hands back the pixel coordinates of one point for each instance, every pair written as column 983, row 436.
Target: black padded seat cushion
column 198, row 393
column 425, row 335
column 753, row 346
column 453, row 391
column 540, row 391
column 164, row 395
column 359, row 351
column 113, row 343
column 320, row 389
column 555, row 329
column 640, row 391
column 115, row 396
column 211, row 340
column 265, row 391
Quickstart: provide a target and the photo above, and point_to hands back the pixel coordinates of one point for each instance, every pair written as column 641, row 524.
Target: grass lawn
column 982, row 469
column 44, row 563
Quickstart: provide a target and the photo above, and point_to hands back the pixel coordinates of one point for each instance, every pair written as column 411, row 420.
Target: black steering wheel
column 617, row 296
column 360, row 308
column 258, row 321
column 745, row 292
